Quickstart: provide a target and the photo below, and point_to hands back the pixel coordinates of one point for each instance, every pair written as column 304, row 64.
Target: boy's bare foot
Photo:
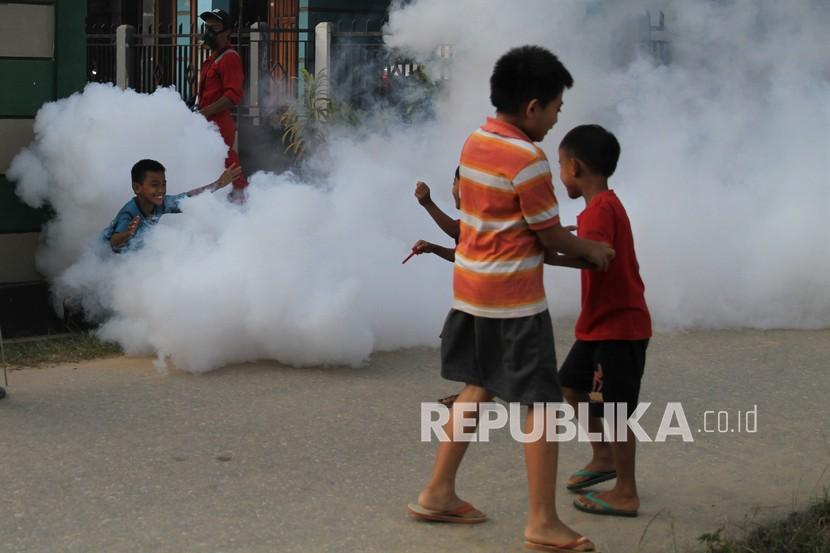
column 439, row 500
column 617, row 500
column 597, row 464
column 448, row 401
column 556, row 535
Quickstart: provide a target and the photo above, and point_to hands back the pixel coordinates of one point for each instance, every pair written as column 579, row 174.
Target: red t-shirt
column 613, row 301
column 221, row 75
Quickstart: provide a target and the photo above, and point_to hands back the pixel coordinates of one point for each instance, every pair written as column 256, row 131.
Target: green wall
column 29, row 82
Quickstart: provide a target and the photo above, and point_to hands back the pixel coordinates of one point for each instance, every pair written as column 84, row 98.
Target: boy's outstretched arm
column 449, row 225
column 559, row 260
column 557, row 239
column 227, row 177
column 422, row 246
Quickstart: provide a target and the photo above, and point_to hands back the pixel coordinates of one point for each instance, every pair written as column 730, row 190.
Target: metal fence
column 361, row 70
column 365, row 71
column 100, row 54
column 282, row 53
column 170, row 57
column 655, row 39
column 164, row 58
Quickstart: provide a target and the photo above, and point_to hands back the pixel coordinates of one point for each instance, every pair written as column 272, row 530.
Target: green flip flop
column 602, row 507
column 591, row 478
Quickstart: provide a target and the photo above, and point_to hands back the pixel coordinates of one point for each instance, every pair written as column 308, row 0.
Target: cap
column 221, row 15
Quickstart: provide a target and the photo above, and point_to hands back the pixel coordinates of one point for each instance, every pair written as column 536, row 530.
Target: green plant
column 806, row 531
column 305, row 123
column 715, row 542
column 61, row 349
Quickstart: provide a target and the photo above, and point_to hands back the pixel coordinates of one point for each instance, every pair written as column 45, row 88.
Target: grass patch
column 50, row 351
column 805, row 531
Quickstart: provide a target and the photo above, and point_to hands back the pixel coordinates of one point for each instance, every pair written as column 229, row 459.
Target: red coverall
column 221, row 75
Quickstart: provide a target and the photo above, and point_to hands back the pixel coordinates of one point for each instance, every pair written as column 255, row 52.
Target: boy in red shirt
column 614, row 326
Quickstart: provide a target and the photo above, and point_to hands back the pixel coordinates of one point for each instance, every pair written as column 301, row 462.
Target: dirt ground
column 113, row 455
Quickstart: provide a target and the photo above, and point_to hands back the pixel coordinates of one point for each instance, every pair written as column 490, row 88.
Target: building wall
column 349, row 13
column 110, row 13
column 158, row 12
column 42, row 57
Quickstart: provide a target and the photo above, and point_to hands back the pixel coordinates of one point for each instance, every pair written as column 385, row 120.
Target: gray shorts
column 514, row 359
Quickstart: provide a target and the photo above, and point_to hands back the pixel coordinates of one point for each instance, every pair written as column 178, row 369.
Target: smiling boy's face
column 153, row 188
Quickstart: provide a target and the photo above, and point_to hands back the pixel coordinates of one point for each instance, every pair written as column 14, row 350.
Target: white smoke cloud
column 721, row 167
column 84, row 148
column 306, row 273
column 720, row 174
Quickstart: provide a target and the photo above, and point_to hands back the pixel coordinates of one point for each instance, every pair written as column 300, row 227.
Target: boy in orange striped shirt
column 498, row 338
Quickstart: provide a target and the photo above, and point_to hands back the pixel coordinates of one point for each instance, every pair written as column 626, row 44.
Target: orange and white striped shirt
column 506, row 194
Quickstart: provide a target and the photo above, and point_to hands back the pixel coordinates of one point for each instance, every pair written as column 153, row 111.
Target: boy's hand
column 422, row 246
column 422, row 193
column 228, row 176
column 237, row 196
column 118, row 239
column 132, row 228
column 601, row 255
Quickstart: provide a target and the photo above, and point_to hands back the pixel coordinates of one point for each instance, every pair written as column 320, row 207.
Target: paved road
column 114, row 456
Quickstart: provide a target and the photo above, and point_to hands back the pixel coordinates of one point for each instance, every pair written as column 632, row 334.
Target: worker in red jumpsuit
column 220, row 87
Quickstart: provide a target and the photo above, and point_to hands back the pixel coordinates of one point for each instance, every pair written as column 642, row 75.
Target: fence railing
column 146, row 59
column 360, row 69
column 160, row 59
column 276, row 57
column 100, row 54
column 366, row 50
column 363, row 71
column 655, row 39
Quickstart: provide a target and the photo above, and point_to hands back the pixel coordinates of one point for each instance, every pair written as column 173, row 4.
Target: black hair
column 141, row 168
column 594, row 146
column 458, row 172
column 525, row 73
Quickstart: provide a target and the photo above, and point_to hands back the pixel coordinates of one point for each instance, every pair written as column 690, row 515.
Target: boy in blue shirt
column 151, row 202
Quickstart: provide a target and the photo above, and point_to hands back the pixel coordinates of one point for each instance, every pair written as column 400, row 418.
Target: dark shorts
column 514, row 359
column 613, row 368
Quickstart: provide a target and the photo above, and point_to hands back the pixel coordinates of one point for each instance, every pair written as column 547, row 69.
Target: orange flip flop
column 576, row 546
column 465, row 514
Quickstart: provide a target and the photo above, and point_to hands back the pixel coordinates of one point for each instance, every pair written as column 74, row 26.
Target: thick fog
column 721, row 172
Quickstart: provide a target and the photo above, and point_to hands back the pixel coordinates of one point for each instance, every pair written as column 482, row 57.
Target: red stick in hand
column 408, row 257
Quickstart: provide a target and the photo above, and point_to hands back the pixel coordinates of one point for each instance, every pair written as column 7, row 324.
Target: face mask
column 210, row 38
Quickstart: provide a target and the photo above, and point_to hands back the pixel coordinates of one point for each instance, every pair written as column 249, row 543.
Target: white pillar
column 322, row 57
column 444, row 53
column 123, row 55
column 258, row 49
